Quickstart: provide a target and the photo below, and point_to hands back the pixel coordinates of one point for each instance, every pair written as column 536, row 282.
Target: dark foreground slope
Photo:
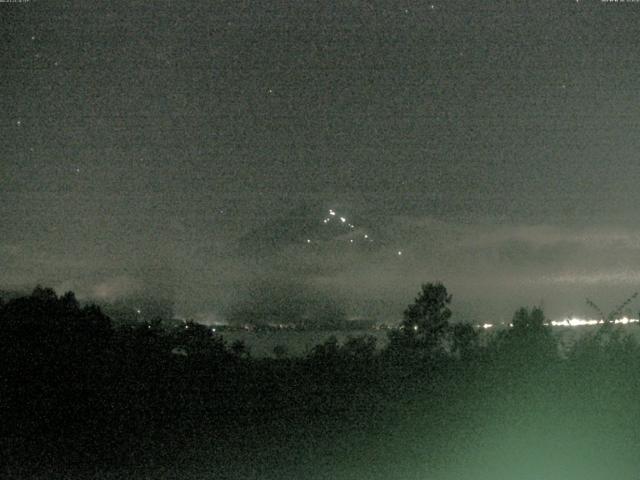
column 117, row 404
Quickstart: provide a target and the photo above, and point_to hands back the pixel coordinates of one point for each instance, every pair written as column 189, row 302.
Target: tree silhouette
column 48, row 324
column 361, row 348
column 525, row 320
column 529, row 340
column 426, row 321
column 239, row 348
column 464, row 341
column 328, row 350
column 199, row 340
column 68, row 301
column 280, row 351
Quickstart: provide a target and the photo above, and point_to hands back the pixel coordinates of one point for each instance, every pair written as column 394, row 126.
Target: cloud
column 490, row 267
column 115, row 288
column 495, row 267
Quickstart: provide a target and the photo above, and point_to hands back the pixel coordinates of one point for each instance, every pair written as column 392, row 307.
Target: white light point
column 366, row 236
column 343, row 220
column 332, row 213
column 308, row 240
column 399, row 252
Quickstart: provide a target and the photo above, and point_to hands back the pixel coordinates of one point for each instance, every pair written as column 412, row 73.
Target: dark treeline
column 83, row 398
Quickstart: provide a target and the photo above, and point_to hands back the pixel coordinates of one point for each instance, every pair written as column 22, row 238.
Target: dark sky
column 190, row 149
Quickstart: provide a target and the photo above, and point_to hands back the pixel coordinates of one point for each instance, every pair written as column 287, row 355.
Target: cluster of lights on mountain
column 357, row 238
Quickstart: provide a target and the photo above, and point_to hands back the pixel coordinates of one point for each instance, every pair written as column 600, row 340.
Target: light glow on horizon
column 579, row 322
column 575, row 322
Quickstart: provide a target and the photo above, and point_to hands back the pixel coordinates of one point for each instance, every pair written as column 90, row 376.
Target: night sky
column 193, row 151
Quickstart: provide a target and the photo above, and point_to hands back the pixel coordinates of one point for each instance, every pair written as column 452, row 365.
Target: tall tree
column 426, row 320
column 529, row 340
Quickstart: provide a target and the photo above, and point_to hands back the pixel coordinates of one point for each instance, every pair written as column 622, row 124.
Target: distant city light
column 574, row 322
column 579, row 322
